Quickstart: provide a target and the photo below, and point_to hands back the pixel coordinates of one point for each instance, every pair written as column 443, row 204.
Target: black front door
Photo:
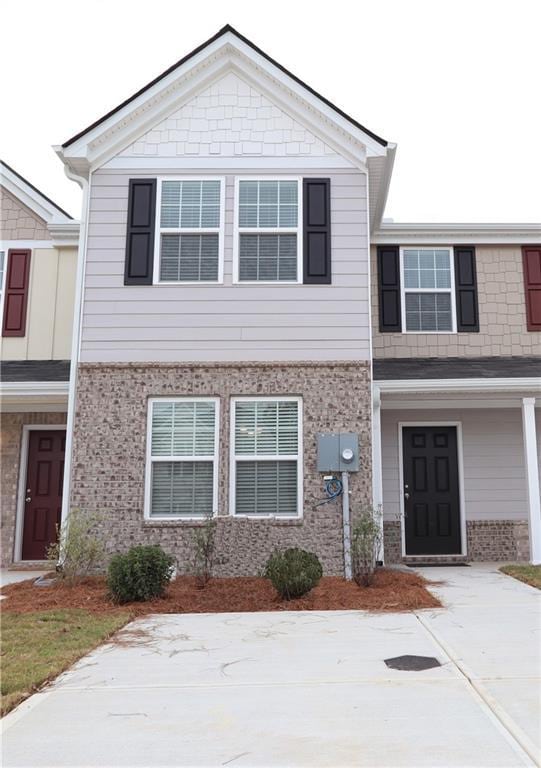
column 431, row 494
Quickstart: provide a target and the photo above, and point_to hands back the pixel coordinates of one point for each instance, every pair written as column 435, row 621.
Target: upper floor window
column 268, row 231
column 189, row 238
column 428, row 290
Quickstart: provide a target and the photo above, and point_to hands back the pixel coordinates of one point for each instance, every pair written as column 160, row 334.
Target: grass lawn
column 531, row 574
column 36, row 647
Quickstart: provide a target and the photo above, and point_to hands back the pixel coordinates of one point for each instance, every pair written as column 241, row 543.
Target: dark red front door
column 43, row 491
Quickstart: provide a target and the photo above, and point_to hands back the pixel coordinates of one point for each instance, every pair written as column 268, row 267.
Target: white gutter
column 84, row 183
column 33, row 388
column 460, row 385
column 456, row 233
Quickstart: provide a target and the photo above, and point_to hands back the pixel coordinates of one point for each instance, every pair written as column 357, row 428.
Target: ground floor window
column 266, row 452
column 182, row 457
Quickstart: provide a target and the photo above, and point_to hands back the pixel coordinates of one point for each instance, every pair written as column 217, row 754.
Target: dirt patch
column 392, row 590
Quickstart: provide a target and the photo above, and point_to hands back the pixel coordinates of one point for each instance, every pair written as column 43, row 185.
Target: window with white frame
column 182, row 458
column 268, row 230
column 428, row 290
column 190, row 223
column 266, row 453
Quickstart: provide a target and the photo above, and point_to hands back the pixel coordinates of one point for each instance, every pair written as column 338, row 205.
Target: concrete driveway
column 302, row 689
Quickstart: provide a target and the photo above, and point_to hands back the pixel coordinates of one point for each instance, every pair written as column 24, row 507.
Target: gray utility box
column 334, row 450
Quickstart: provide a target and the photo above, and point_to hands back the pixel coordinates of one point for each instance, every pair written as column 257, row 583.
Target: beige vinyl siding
column 494, row 470
column 502, row 314
column 225, row 322
column 49, row 317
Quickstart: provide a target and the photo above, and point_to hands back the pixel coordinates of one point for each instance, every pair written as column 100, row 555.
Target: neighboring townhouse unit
column 230, row 314
column 38, row 256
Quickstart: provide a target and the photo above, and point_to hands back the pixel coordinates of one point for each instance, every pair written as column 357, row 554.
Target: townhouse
column 38, row 259
column 239, row 295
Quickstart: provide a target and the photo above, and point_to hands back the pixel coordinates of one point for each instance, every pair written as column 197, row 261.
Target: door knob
column 406, row 495
column 28, row 498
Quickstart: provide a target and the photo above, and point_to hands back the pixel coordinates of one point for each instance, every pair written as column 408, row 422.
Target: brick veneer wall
column 110, row 441
column 502, row 315
column 488, row 540
column 17, row 222
column 11, row 430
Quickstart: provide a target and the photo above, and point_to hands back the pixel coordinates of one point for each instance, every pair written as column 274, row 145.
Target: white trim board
column 460, row 463
column 30, row 197
column 23, row 468
column 518, row 384
column 391, row 233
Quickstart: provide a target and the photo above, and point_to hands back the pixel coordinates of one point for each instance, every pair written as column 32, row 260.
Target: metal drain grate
column 412, row 663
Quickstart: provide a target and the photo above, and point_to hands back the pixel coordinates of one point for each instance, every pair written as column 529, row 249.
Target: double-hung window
column 266, row 456
column 268, row 227
column 182, row 451
column 189, row 242
column 428, row 300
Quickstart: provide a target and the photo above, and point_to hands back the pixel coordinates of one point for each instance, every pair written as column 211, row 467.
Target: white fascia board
column 108, row 138
column 424, row 386
column 470, row 234
column 31, row 197
column 33, row 388
column 383, row 188
column 64, row 235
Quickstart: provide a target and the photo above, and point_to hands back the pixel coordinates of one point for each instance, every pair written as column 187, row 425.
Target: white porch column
column 532, row 478
column 377, row 474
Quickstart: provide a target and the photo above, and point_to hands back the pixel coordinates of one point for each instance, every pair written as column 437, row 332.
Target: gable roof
column 227, row 29
column 31, row 196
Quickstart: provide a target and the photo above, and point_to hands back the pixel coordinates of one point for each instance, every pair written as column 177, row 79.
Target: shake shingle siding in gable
column 225, row 322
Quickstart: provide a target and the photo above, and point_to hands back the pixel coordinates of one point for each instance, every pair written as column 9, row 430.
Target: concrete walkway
column 302, row 689
column 12, row 577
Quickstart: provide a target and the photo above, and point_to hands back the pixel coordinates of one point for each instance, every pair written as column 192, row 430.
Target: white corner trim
column 467, row 233
column 31, row 197
column 383, row 188
column 423, row 386
column 532, row 478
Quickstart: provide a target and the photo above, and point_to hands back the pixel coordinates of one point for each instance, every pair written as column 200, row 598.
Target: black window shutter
column 467, row 311
column 140, row 232
column 389, row 288
column 317, row 231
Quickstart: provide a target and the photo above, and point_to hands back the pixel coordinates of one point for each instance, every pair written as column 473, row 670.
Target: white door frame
column 21, row 487
column 460, row 462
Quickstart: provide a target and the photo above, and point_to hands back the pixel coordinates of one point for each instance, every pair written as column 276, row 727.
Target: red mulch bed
column 392, row 590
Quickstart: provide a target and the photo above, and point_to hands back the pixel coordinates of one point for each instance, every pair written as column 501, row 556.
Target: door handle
column 406, row 495
column 28, row 498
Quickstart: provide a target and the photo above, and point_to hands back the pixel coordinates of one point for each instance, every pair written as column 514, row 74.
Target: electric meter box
column 338, row 452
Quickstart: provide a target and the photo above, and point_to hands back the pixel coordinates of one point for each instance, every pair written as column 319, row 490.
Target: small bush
column 204, row 551
column 293, row 572
column 78, row 550
column 365, row 546
column 140, row 574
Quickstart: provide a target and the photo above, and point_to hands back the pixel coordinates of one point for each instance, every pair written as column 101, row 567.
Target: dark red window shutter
column 467, row 311
column 140, row 232
column 531, row 263
column 16, row 292
column 389, row 288
column 317, row 231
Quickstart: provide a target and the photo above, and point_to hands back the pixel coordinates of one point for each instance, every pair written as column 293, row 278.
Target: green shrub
column 293, row 572
column 365, row 545
column 142, row 573
column 79, row 549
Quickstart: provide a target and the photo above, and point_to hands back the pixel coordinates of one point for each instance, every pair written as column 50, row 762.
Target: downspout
column 76, row 337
